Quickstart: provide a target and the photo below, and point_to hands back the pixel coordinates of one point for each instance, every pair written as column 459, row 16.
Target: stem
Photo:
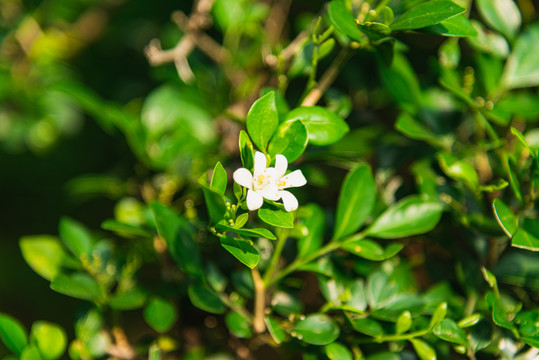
column 237, row 308
column 275, row 257
column 260, row 302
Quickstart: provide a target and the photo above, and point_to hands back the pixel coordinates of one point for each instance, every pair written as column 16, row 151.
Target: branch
column 260, row 302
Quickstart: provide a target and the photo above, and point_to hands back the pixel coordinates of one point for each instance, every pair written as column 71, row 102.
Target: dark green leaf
column 262, row 120
column 337, row 351
column 215, row 204
column 401, row 81
column 216, row 279
column 241, row 250
column 178, row 236
column 343, row 20
column 131, row 299
column 78, row 285
column 277, row 217
column 371, row 250
column 386, row 355
column 411, row 216
column 316, row 329
column 205, row 299
column 449, row 331
column 125, row 230
column 313, row 221
column 286, row 304
column 259, row 232
column 356, row 201
column 246, row 150
column 502, row 15
column 50, row 339
column 423, row 349
column 12, row 334
column 426, row 14
column 366, row 325
column 238, row 325
column 505, row 217
column 456, row 26
column 289, row 140
column 75, row 236
column 160, row 314
column 323, row 126
column 44, row 254
column 407, row 125
column 275, row 331
column 500, row 316
column 218, row 179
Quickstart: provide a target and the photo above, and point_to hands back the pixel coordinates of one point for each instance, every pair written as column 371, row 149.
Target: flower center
column 260, row 181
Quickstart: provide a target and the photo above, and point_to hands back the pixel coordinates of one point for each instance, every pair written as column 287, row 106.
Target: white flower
column 269, row 183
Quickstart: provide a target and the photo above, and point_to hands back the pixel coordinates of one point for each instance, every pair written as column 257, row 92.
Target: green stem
column 275, row 257
column 237, row 308
column 379, row 7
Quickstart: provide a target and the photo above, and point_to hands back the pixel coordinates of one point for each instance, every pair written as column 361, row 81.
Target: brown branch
column 260, row 302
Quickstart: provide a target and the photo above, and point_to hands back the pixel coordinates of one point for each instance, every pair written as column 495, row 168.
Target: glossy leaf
column 215, row 204
column 238, row 325
column 241, row 220
column 404, row 322
column 12, row 334
column 78, row 285
column 401, row 81
column 366, row 325
column 337, row 351
column 323, row 126
column 277, row 217
column 458, row 26
column 527, row 235
column 343, row 20
column 438, row 315
column 459, row 170
column 449, row 331
column 241, row 250
column 522, row 67
column 262, row 120
column 500, row 316
column 410, row 216
column 75, row 236
column 205, row 299
column 258, row 232
column 505, row 217
column 502, row 15
column 313, row 220
column 423, row 349
column 470, row 320
column 316, row 329
column 356, row 201
column 426, row 14
column 219, row 179
column 50, row 339
column 160, row 314
column 277, row 334
column 290, row 139
column 371, row 250
column 30, row 352
column 246, row 150
column 44, row 254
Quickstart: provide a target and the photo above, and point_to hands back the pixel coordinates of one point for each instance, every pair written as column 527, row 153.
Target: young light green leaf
column 12, row 334
column 219, row 179
column 277, row 217
column 371, row 250
column 50, row 339
column 438, row 315
column 502, row 15
column 125, row 230
column 246, row 150
column 205, row 299
column 449, row 331
column 410, row 216
column 241, row 250
column 44, row 254
column 316, row 329
column 323, row 126
column 426, row 14
column 459, row 170
column 178, row 236
column 160, row 314
column 505, row 217
column 527, row 235
column 522, row 67
column 289, row 140
column 489, row 42
column 458, row 26
column 404, row 322
column 241, row 220
column 523, row 141
column 470, row 320
column 337, row 351
column 78, row 285
column 238, row 325
column 277, row 334
column 356, row 201
column 262, row 120
column 343, row 20
column 423, row 349
column 75, row 236
column 30, row 352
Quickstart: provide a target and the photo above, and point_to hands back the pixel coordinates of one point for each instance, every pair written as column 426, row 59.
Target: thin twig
column 260, row 302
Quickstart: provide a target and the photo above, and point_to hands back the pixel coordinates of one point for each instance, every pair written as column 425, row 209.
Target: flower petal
column 243, row 177
column 294, row 179
column 270, row 192
column 289, row 200
column 260, row 163
column 254, row 200
column 281, row 164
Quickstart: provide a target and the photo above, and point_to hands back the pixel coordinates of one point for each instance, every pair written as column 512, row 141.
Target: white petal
column 281, row 164
column 254, row 200
column 289, row 201
column 270, row 192
column 243, row 177
column 294, row 179
column 260, row 163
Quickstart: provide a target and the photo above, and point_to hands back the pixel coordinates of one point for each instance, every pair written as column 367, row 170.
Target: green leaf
column 356, row 201
column 125, row 230
column 238, row 325
column 380, row 289
column 44, row 254
column 522, row 67
column 532, row 341
column 246, row 150
column 527, row 235
column 160, row 314
column 500, row 316
column 30, row 353
column 371, row 250
column 129, row 300
column 404, row 322
column 262, row 120
column 505, row 217
column 313, row 221
column 154, row 353
column 523, row 141
column 423, row 349
column 205, row 299
column 275, row 331
column 470, row 320
column 214, row 202
column 289, row 140
column 241, row 220
column 458, row 26
column 366, row 325
column 277, row 217
column 385, row 355
column 426, row 14
column 216, row 279
column 502, row 15
column 259, row 232
column 410, row 216
column 12, row 334
column 488, row 42
column 316, row 329
column 343, row 20
column 218, row 179
column 459, row 170
column 78, row 285
column 242, row 250
column 323, row 126
column 178, row 236
column 407, row 125
column 75, row 236
column 449, row 331
column 337, row 351
column 400, row 80
column 50, row 339
column 438, row 315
